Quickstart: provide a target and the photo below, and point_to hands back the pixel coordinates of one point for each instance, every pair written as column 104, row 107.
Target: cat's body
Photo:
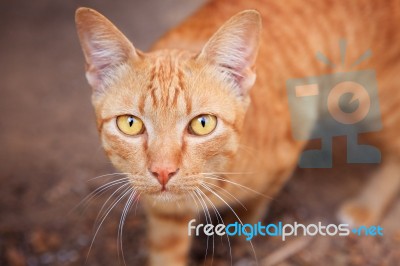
column 254, row 148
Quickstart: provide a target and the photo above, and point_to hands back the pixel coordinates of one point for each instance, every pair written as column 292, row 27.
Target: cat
column 203, row 119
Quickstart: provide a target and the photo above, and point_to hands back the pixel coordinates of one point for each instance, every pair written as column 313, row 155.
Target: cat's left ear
column 234, row 47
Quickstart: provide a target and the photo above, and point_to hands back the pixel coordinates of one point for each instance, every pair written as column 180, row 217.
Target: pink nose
column 163, row 173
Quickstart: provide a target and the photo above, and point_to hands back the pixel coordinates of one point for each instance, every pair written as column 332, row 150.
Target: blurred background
column 50, row 153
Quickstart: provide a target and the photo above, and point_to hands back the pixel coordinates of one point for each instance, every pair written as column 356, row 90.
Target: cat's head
column 168, row 117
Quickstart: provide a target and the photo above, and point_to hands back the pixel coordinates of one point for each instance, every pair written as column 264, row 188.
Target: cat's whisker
column 119, row 198
column 216, row 177
column 124, row 214
column 224, row 201
column 222, row 221
column 217, row 213
column 99, row 191
column 228, row 173
column 120, row 249
column 197, row 197
column 101, row 212
column 197, row 205
column 205, row 208
column 213, row 206
column 137, row 201
column 207, row 216
column 199, row 192
column 233, row 211
column 226, row 193
column 111, row 174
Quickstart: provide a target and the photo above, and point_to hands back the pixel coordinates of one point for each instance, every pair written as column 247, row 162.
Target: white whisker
column 119, row 198
column 226, row 192
column 228, row 173
column 136, row 202
column 209, row 215
column 124, row 214
column 217, row 213
column 112, row 174
column 197, row 205
column 100, row 214
column 218, row 196
column 215, row 177
column 99, row 191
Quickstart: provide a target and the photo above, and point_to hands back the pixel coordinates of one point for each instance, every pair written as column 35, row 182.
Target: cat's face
column 168, row 118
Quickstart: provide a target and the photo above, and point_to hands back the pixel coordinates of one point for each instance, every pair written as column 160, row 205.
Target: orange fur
column 188, row 74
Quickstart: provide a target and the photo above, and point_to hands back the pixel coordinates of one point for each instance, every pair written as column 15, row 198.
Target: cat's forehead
column 157, row 86
column 166, row 86
column 166, row 70
column 168, row 58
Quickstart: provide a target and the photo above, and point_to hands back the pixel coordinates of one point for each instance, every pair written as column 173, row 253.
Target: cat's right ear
column 234, row 47
column 103, row 45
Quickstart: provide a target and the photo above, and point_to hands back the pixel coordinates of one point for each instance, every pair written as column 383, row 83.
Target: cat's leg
column 369, row 206
column 168, row 239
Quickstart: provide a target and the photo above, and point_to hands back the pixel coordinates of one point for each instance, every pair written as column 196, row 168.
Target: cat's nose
column 163, row 173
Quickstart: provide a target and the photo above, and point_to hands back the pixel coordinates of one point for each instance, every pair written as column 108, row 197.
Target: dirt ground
column 50, row 151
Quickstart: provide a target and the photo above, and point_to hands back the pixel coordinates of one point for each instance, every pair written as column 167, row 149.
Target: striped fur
column 176, row 81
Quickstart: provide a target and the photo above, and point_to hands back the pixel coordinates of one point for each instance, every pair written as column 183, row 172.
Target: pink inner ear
column 102, row 55
column 105, row 53
column 240, row 60
column 233, row 48
column 234, row 72
column 103, row 44
column 235, row 57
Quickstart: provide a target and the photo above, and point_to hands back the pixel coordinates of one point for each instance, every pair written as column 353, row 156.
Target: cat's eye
column 202, row 125
column 130, row 125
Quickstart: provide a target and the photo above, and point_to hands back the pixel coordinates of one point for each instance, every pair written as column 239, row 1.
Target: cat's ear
column 103, row 45
column 233, row 48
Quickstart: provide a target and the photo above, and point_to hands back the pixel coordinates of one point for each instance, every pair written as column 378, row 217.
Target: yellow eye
column 130, row 125
column 202, row 125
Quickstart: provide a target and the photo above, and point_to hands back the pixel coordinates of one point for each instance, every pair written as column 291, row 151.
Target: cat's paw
column 356, row 214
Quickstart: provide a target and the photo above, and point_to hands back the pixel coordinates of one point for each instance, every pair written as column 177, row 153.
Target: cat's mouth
column 173, row 190
column 169, row 193
column 161, row 191
column 166, row 190
column 166, row 195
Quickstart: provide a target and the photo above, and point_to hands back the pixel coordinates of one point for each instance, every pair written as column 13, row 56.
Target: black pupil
column 130, row 121
column 203, row 121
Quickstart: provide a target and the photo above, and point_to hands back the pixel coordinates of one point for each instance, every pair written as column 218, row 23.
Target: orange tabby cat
column 191, row 124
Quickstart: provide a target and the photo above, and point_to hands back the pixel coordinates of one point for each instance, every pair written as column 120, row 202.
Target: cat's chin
column 166, row 196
